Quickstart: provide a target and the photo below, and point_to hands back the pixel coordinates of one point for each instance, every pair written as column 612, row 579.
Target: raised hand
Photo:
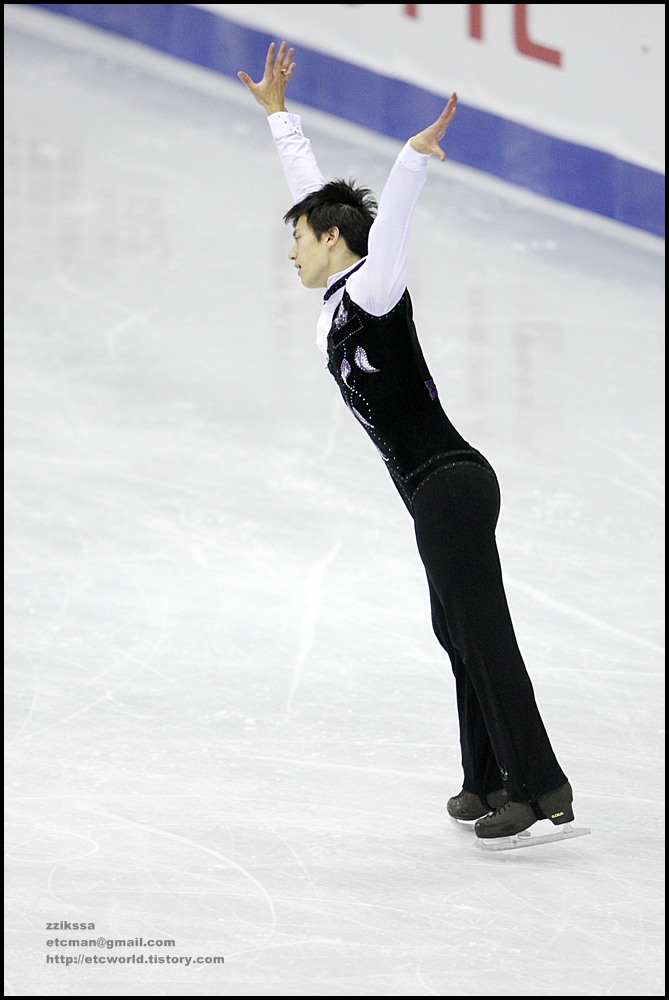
column 428, row 140
column 270, row 91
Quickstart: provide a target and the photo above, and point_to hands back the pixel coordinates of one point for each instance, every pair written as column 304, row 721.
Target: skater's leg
column 480, row 769
column 455, row 515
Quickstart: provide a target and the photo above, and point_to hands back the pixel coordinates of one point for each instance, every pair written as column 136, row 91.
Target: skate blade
column 529, row 839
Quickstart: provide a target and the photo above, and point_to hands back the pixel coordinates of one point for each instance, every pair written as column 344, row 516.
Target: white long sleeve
column 379, row 285
column 296, row 155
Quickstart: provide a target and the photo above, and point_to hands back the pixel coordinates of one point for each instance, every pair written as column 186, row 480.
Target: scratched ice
column 229, row 725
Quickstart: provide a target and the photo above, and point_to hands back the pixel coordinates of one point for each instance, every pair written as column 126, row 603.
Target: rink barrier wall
column 576, row 175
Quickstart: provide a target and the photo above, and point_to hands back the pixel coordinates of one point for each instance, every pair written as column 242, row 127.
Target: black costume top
column 383, row 377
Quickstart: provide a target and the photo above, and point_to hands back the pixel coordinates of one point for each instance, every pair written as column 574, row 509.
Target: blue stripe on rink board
column 577, row 175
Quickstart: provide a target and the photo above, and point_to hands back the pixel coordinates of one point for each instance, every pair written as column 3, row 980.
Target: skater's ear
column 333, row 236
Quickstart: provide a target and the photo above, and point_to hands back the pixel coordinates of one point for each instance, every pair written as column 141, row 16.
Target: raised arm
column 297, row 158
column 379, row 285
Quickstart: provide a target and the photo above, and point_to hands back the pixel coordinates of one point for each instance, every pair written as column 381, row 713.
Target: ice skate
column 508, row 828
column 466, row 807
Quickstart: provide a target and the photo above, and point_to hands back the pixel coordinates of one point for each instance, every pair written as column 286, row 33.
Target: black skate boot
column 514, row 817
column 467, row 806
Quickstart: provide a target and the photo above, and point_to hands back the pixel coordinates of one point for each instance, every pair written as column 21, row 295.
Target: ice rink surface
column 229, row 725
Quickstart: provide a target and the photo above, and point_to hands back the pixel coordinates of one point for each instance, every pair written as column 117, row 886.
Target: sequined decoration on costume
column 340, row 317
column 431, row 388
column 345, row 371
column 384, row 457
column 362, row 361
column 360, row 417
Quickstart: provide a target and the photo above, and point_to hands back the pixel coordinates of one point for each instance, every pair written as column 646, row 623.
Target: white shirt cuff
column 411, row 158
column 282, row 123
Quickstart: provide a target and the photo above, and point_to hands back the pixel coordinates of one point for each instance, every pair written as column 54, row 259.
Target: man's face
column 310, row 255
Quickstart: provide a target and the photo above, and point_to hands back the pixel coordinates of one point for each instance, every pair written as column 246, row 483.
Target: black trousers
column 502, row 737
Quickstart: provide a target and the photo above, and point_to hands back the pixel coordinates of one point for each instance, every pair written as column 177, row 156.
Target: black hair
column 339, row 203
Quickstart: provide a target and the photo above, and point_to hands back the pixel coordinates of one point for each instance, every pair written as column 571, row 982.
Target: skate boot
column 514, row 818
column 467, row 806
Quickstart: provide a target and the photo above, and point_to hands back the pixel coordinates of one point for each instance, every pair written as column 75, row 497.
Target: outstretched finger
column 450, row 108
column 269, row 59
column 280, row 58
column 288, row 64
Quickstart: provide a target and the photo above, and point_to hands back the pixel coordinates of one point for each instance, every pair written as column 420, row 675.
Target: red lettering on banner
column 476, row 20
column 524, row 43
